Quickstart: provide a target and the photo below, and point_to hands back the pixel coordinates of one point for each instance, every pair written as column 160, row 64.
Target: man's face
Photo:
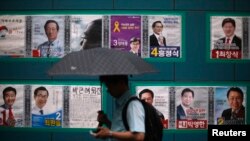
column 228, row 29
column 51, row 31
column 113, row 89
column 135, row 46
column 41, row 98
column 187, row 99
column 147, row 97
column 158, row 28
column 10, row 98
column 235, row 100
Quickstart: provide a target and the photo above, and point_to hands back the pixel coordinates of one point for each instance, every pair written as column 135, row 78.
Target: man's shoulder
column 237, row 38
column 2, row 107
column 179, row 107
column 43, row 44
column 152, row 36
column 227, row 111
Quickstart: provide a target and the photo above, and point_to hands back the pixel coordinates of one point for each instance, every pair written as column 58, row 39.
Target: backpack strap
column 124, row 112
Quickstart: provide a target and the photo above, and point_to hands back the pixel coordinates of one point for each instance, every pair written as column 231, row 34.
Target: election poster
column 12, row 105
column 125, row 33
column 86, row 31
column 158, row 96
column 164, row 36
column 46, row 106
column 191, row 107
column 12, row 36
column 229, row 37
column 84, row 103
column 47, row 36
column 230, row 105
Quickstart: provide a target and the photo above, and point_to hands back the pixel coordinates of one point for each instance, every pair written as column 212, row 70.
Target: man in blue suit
column 187, row 96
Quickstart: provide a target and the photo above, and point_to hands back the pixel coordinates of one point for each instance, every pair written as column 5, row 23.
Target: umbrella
column 100, row 61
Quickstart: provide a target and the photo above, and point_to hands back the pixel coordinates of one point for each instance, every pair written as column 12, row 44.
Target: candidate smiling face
column 41, row 98
column 9, row 98
column 235, row 100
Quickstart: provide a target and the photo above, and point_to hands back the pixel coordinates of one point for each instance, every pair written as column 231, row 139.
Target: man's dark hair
column 113, row 79
column 228, row 20
column 187, row 90
column 94, row 31
column 7, row 89
column 235, row 89
column 51, row 21
column 154, row 23
column 93, row 35
column 135, row 39
column 146, row 91
column 42, row 89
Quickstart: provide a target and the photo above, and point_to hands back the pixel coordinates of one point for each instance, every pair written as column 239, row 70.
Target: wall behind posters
column 194, row 68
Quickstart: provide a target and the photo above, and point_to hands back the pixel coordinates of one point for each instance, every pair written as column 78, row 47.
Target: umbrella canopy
column 101, row 61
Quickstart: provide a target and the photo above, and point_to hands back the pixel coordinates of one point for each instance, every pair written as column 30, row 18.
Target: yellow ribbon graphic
column 116, row 28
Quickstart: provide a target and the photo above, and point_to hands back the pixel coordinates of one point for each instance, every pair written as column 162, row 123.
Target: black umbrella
column 101, row 61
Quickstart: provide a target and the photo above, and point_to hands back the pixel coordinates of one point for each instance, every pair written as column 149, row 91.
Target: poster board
column 35, row 35
column 196, row 105
column 51, row 104
column 228, row 37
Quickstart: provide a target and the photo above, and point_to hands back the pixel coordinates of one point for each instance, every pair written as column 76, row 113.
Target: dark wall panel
column 144, row 4
column 72, row 136
column 83, row 4
column 196, row 66
column 25, row 4
column 24, row 70
column 25, row 136
column 165, row 72
column 242, row 5
column 242, row 72
column 204, row 4
column 191, row 136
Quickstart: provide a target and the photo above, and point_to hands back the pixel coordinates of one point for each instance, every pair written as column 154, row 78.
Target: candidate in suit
column 187, row 97
column 236, row 111
column 156, row 39
column 230, row 41
column 53, row 47
column 148, row 96
column 9, row 97
column 41, row 95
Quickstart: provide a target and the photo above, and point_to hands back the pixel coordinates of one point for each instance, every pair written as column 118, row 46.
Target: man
column 9, row 97
column 41, row 95
column 187, row 97
column 135, row 45
column 156, row 39
column 92, row 37
column 230, row 41
column 236, row 111
column 53, row 47
column 117, row 86
column 148, row 96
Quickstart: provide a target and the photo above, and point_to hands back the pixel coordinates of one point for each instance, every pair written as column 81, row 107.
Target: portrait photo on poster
column 165, row 36
column 229, row 37
column 86, row 31
column 191, row 107
column 230, row 105
column 158, row 96
column 46, row 106
column 12, row 105
column 48, row 34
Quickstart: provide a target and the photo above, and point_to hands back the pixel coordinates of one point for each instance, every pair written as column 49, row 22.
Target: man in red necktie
column 231, row 40
column 9, row 96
